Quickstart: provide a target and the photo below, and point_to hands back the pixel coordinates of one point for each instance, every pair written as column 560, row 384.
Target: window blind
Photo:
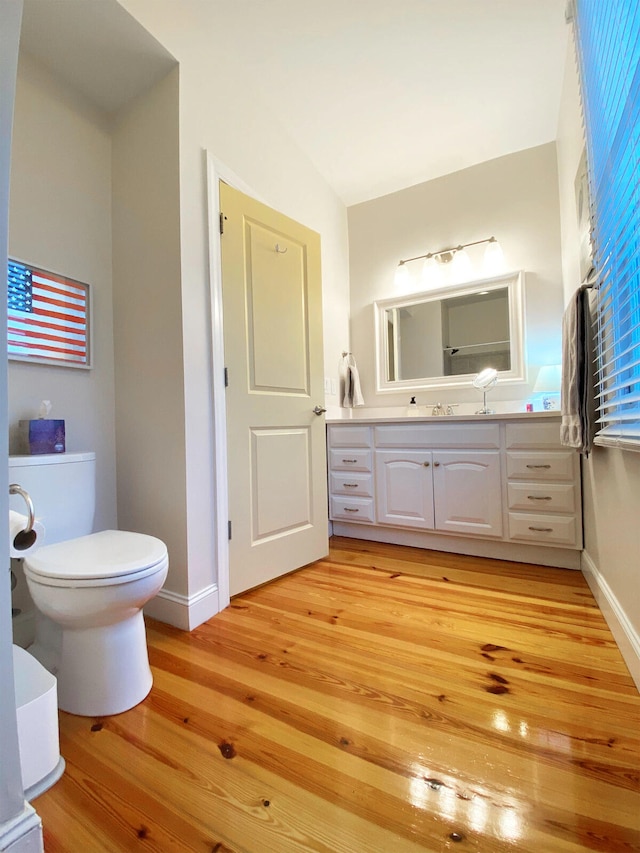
column 608, row 47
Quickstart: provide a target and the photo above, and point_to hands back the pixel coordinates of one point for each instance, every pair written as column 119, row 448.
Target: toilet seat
column 100, row 559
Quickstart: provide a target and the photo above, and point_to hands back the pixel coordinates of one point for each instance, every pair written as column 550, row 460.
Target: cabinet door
column 404, row 488
column 467, row 492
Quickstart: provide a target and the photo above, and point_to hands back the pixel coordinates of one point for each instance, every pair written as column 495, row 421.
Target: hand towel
column 578, row 395
column 352, row 391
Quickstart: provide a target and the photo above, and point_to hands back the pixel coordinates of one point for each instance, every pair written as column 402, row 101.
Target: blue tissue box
column 46, row 436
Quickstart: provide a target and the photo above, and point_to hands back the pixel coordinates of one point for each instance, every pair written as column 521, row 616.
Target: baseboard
column 23, row 833
column 561, row 558
column 623, row 631
column 184, row 611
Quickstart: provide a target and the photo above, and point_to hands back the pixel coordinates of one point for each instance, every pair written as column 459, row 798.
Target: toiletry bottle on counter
column 412, row 408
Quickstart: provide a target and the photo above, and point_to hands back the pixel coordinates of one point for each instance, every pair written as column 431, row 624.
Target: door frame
column 217, row 171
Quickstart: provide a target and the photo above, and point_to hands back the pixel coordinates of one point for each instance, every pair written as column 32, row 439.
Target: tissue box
column 45, row 435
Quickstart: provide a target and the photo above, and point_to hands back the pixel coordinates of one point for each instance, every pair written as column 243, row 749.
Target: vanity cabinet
column 454, row 490
column 542, row 487
column 446, row 481
column 467, row 485
column 404, row 488
column 351, row 474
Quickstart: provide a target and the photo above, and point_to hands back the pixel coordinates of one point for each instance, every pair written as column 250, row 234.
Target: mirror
column 443, row 338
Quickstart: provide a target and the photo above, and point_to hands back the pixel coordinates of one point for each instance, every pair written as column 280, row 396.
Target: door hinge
column 222, row 219
column 226, row 377
column 229, row 530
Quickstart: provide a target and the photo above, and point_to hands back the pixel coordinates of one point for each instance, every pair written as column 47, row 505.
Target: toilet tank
column 63, row 490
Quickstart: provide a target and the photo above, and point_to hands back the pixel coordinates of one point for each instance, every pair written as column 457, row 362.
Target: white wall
column 150, row 417
column 11, row 794
column 66, row 173
column 611, row 478
column 20, row 827
column 514, row 198
column 219, row 112
column 60, row 220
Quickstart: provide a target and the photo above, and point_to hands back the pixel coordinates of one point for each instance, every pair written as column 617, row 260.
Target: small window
column 47, row 317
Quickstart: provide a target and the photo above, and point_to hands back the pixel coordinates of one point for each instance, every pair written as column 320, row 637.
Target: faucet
column 439, row 409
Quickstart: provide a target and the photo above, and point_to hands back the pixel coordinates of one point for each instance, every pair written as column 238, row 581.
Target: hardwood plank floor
column 384, row 699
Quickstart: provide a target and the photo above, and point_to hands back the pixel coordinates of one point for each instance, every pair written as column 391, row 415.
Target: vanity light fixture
column 493, row 263
column 456, row 256
column 402, row 278
column 431, row 273
column 461, row 267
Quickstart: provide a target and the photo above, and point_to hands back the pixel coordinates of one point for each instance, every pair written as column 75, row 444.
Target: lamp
column 461, row 265
column 431, row 272
column 493, row 263
column 402, row 278
column 454, row 255
column 548, row 382
column 484, row 381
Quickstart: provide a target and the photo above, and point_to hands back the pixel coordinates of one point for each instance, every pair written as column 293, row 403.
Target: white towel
column 352, row 391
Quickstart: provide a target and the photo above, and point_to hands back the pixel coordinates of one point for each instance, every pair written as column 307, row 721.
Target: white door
column 468, row 492
column 272, row 304
column 404, row 488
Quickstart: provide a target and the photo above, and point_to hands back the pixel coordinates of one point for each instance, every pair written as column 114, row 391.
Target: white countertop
column 362, row 416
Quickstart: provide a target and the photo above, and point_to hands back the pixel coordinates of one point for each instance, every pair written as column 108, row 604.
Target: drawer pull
column 426, row 464
column 350, row 509
column 436, row 464
column 542, row 529
column 350, row 461
column 538, row 466
column 350, row 485
column 539, row 497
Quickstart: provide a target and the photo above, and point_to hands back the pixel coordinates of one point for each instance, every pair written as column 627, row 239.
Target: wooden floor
column 354, row 706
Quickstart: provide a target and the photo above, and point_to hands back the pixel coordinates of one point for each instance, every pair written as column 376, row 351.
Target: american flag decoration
column 48, row 317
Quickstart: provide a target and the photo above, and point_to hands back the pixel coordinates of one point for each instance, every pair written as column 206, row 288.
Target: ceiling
column 380, row 94
column 384, row 94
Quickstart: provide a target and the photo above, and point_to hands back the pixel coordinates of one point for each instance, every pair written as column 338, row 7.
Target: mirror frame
column 514, row 282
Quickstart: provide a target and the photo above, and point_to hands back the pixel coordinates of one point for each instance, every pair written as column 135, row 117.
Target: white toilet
column 89, row 588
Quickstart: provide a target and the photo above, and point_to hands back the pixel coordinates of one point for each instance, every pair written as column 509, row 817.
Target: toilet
column 89, row 588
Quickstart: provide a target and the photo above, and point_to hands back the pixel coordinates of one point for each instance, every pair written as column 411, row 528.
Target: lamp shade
column 402, row 278
column 431, row 273
column 493, row 262
column 549, row 379
column 461, row 268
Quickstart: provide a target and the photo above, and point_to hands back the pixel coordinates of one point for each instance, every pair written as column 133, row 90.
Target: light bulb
column 461, row 269
column 402, row 278
column 493, row 258
column 431, row 273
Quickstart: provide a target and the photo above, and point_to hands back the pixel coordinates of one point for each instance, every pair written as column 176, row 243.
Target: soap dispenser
column 412, row 408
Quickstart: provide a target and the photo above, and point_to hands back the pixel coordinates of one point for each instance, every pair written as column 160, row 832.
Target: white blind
column 608, row 41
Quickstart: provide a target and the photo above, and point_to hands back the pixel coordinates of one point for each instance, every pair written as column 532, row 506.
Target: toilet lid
column 108, row 554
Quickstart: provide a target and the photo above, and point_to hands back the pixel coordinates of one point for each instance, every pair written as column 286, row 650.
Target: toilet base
column 104, row 670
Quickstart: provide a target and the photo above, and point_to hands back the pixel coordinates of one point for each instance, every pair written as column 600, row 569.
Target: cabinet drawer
column 350, row 460
column 543, row 497
column 349, row 436
column 480, row 436
column 551, row 465
column 352, row 509
column 360, row 485
column 549, row 529
column 535, row 434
